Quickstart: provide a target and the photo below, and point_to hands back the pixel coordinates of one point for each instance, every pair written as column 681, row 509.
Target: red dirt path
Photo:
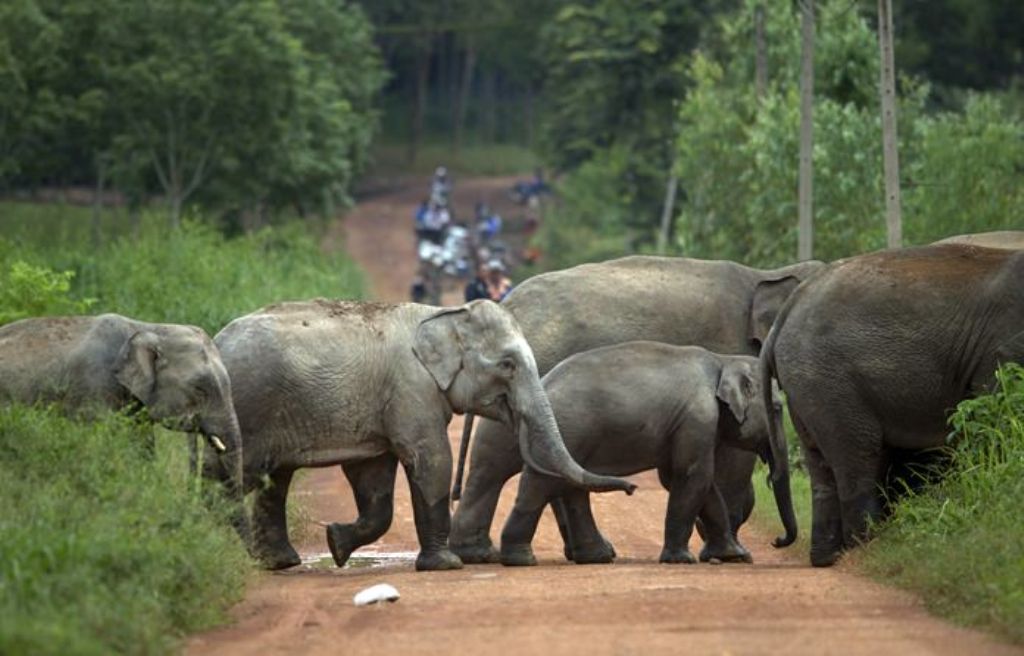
column 635, row 606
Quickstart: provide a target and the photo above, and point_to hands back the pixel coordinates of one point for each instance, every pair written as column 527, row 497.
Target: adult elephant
column 369, row 385
column 1006, row 239
column 722, row 306
column 112, row 362
column 874, row 353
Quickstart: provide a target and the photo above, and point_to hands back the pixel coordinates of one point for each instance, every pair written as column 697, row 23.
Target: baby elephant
column 635, row 406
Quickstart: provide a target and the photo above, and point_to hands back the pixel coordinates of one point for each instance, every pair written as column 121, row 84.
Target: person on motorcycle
column 433, row 224
column 440, row 187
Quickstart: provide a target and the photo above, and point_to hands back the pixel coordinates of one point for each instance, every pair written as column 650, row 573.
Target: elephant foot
column 677, row 555
column 341, row 541
column 733, row 552
column 827, row 558
column 278, row 558
column 517, row 555
column 589, row 554
column 477, row 553
column 434, row 561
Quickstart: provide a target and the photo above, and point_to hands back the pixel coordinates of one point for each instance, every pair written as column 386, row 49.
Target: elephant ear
column 736, row 388
column 769, row 295
column 136, row 365
column 438, row 346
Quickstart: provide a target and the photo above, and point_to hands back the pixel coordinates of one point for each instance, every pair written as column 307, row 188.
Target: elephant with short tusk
column 636, row 406
column 873, row 355
column 113, row 362
column 722, row 306
column 369, row 385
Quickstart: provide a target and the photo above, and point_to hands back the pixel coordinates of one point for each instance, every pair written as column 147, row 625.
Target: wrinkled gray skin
column 665, row 407
column 873, row 355
column 722, row 306
column 1012, row 240
column 113, row 362
column 369, row 385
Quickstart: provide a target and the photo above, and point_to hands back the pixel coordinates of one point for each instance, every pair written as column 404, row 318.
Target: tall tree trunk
column 528, row 115
column 805, row 245
column 491, row 106
column 760, row 56
column 890, row 150
column 97, row 201
column 465, row 87
column 666, row 212
column 420, row 102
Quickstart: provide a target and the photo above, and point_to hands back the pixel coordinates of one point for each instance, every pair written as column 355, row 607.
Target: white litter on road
column 375, row 594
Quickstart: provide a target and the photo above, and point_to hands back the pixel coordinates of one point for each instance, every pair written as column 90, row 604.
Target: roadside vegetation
column 104, row 549
column 958, row 542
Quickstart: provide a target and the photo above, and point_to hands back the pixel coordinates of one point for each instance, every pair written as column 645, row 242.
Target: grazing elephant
column 113, row 362
column 1012, row 240
column 636, row 406
column 722, row 306
column 368, row 385
column 874, row 353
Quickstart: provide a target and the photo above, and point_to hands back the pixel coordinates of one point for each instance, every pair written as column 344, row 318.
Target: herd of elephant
column 580, row 377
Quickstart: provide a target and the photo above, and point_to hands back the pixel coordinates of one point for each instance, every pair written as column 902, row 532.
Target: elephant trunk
column 231, row 462
column 777, row 454
column 541, row 445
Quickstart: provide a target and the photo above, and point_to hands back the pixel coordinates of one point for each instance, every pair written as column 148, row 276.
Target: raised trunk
column 541, row 445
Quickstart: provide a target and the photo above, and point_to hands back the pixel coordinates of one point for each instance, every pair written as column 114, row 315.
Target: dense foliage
column 246, row 106
column 961, row 542
column 104, row 549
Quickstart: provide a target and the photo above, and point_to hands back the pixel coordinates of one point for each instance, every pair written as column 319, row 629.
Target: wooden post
column 666, row 212
column 890, row 147
column 805, row 238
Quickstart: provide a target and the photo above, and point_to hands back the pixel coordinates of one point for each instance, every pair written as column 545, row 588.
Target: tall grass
column 104, row 549
column 191, row 275
column 960, row 543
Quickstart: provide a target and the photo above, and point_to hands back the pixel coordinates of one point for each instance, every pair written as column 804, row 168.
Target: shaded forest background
column 248, row 111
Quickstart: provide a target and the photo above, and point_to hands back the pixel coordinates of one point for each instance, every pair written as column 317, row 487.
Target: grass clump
column 103, row 548
column 960, row 542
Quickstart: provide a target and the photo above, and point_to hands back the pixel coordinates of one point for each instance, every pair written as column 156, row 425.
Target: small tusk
column 217, row 444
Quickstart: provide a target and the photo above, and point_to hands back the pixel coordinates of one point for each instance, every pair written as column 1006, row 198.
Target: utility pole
column 760, row 55
column 805, row 224
column 890, row 149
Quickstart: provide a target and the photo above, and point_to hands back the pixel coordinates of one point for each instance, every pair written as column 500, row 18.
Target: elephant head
column 771, row 292
column 740, row 389
column 177, row 374
column 480, row 360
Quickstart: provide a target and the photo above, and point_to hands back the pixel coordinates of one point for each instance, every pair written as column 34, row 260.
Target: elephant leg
column 373, row 485
column 516, row 537
column 720, row 541
column 588, row 544
column 270, row 524
column 859, row 481
column 691, row 482
column 826, row 519
column 430, row 475
column 494, row 459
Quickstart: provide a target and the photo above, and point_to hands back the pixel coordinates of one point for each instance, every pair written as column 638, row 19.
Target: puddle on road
column 360, row 559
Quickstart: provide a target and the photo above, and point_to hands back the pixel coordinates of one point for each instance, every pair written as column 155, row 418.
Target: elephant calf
column 635, row 406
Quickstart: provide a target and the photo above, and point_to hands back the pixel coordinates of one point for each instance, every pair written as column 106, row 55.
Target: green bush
column 960, row 543
column 27, row 290
column 102, row 548
column 192, row 274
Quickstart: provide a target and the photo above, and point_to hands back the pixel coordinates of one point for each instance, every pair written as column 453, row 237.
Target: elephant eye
column 507, row 365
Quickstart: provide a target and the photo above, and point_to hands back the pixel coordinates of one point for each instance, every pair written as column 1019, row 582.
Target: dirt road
column 635, row 606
